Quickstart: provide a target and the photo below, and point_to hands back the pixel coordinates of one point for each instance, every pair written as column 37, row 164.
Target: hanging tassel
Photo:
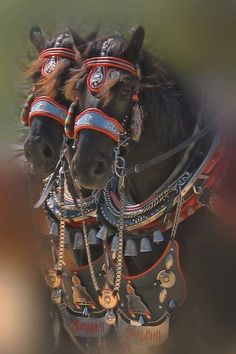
column 131, row 248
column 69, row 122
column 145, row 245
column 24, row 117
column 136, row 118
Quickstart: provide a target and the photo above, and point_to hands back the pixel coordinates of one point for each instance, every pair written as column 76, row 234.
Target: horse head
column 128, row 101
column 46, row 108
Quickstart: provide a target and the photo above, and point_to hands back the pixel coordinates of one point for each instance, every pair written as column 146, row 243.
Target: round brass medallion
column 108, row 300
column 166, row 278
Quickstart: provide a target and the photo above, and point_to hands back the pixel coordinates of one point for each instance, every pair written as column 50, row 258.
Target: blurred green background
column 197, row 37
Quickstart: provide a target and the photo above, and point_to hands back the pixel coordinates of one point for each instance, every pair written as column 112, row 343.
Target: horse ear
column 135, row 45
column 37, row 38
column 78, row 40
column 91, row 36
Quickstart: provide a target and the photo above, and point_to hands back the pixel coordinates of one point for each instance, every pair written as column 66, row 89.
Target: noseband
column 44, row 106
column 95, row 119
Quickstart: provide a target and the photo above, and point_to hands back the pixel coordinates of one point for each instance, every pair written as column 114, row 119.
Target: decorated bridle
column 43, row 105
column 100, row 68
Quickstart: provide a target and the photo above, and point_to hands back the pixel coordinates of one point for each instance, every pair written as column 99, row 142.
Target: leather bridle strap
column 158, row 159
column 46, row 107
column 58, row 52
column 111, row 62
column 95, row 119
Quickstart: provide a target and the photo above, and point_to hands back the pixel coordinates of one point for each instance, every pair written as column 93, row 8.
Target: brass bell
column 102, row 233
column 54, row 229
column 131, row 248
column 157, row 236
column 92, row 238
column 79, row 241
column 145, row 245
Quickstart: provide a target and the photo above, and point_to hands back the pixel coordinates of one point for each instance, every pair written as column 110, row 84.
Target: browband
column 112, row 62
column 95, row 119
column 59, row 52
column 45, row 106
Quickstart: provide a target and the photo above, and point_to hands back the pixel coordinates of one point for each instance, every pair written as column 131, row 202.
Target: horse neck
column 170, row 118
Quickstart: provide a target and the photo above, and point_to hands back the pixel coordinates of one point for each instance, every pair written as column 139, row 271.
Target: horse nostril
column 99, row 169
column 47, row 152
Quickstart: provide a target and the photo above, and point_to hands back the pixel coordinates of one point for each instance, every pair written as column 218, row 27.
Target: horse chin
column 41, row 172
column 88, row 184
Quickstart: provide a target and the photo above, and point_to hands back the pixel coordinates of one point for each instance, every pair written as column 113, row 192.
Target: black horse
column 130, row 91
column 57, row 56
column 43, row 145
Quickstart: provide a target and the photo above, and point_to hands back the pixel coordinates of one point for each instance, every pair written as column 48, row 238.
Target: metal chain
column 120, row 238
column 120, row 243
column 179, row 203
column 60, row 259
column 88, row 252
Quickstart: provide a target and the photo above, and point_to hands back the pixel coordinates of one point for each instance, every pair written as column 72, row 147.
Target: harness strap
column 112, row 62
column 156, row 160
column 49, row 185
column 59, row 52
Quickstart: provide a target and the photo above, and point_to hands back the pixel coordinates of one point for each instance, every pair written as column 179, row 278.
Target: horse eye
column 125, row 92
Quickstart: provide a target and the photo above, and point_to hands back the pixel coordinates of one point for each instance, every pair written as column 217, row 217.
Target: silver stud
column 78, row 241
column 157, row 236
column 145, row 245
column 131, row 248
column 102, row 233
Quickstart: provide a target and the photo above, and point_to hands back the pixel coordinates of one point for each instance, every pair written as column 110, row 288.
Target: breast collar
column 72, row 214
column 201, row 174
